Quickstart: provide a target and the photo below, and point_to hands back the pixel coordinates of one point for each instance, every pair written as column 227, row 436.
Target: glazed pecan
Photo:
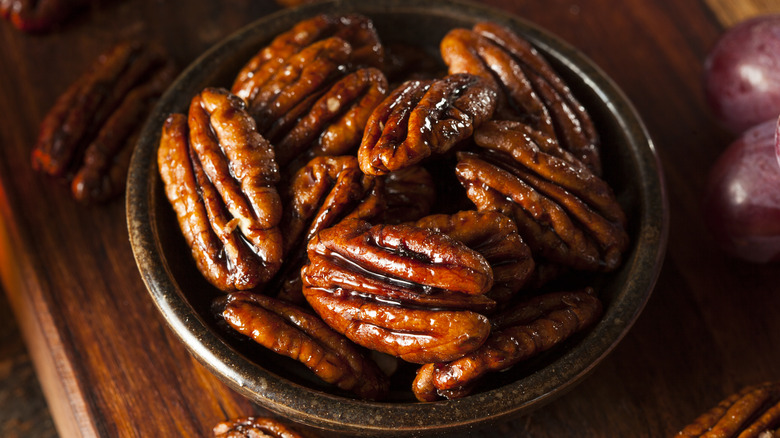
column 567, row 214
column 220, row 177
column 753, row 412
column 534, row 326
column 466, row 51
column 573, row 125
column 495, row 237
column 253, row 427
column 410, row 194
column 324, row 192
column 38, row 15
column 420, row 118
column 291, row 331
column 88, row 135
column 356, row 30
column 399, row 289
column 334, row 123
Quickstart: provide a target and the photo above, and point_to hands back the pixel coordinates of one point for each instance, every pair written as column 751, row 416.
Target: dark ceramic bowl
column 183, row 296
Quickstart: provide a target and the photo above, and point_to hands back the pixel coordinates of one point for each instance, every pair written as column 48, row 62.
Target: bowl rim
column 314, row 408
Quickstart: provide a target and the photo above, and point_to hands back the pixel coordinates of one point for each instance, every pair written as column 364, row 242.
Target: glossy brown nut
column 253, row 427
column 753, row 412
column 421, row 118
column 495, row 237
column 534, row 326
column 573, row 125
column 410, row 194
column 324, row 192
column 293, row 332
column 334, row 123
column 220, row 177
column 566, row 213
column 466, row 51
column 87, row 136
column 358, row 31
column 38, row 15
column 400, row 290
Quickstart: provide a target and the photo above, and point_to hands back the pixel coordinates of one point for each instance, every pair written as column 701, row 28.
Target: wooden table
column 109, row 367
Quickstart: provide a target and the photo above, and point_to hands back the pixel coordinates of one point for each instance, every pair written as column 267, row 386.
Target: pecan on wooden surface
column 38, row 15
column 519, row 333
column 493, row 235
column 421, row 118
column 294, row 332
column 566, row 214
column 220, row 177
column 397, row 289
column 333, row 124
column 355, row 30
column 753, row 412
column 253, row 427
column 88, row 135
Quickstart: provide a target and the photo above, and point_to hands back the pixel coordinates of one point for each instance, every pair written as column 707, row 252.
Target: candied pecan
column 90, row 129
column 566, row 213
column 420, row 118
column 573, row 125
column 322, row 193
column 753, row 412
column 220, row 177
column 299, row 79
column 355, row 29
column 410, row 194
column 38, row 15
column 253, row 427
column 334, row 123
column 399, row 289
column 495, row 237
column 291, row 331
column 465, row 51
column 536, row 325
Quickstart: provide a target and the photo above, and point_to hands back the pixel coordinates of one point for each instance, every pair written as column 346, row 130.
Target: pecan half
column 38, row 15
column 291, row 331
column 567, row 214
column 753, row 412
column 358, row 31
column 519, row 333
column 89, row 131
column 466, row 51
column 334, row 123
column 573, row 125
column 220, row 178
column 399, row 289
column 324, row 192
column 495, row 237
column 253, row 427
column 420, row 118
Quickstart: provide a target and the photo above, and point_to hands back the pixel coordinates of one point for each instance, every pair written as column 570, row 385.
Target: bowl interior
column 284, row 386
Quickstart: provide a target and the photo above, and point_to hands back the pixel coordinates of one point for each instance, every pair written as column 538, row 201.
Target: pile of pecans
column 353, row 205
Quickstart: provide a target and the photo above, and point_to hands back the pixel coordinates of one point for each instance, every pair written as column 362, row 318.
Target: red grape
column 742, row 199
column 742, row 73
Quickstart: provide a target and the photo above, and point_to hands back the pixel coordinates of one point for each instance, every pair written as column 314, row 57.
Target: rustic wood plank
column 731, row 12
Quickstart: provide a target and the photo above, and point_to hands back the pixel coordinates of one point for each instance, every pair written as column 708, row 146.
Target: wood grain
column 730, row 12
column 109, row 366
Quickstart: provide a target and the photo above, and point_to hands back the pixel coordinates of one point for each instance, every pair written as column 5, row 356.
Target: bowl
column 183, row 297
